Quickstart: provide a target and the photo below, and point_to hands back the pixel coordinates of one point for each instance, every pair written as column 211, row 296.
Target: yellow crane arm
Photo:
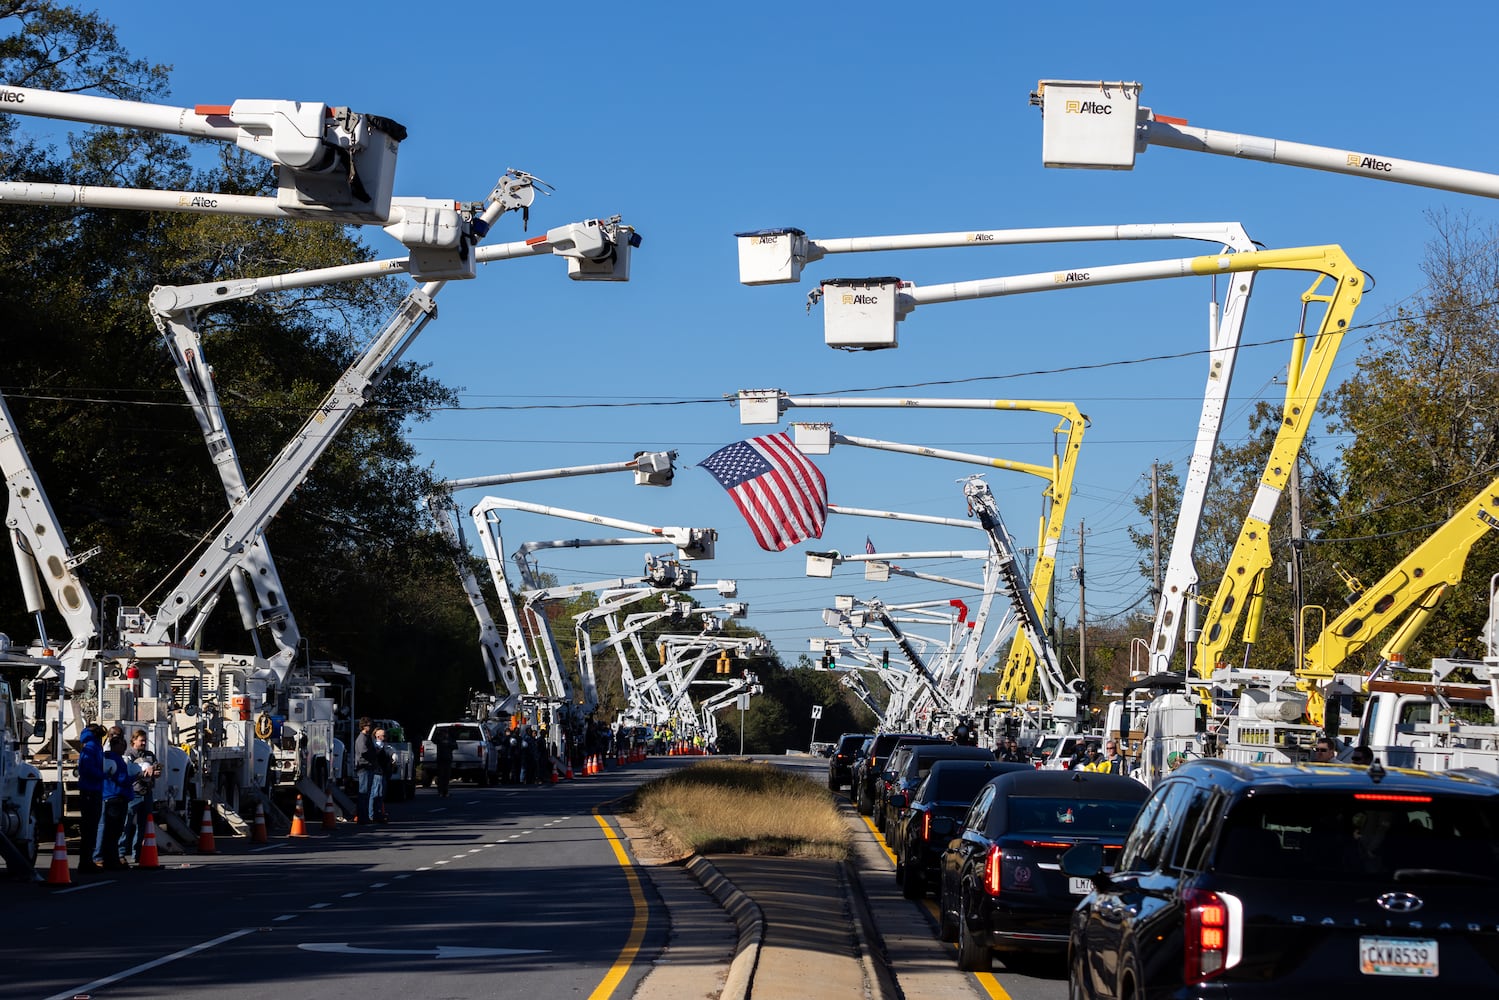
column 1311, row 364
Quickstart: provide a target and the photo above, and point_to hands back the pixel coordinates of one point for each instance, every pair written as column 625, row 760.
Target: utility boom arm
column 331, row 163
column 1103, row 126
column 1416, row 584
column 296, row 459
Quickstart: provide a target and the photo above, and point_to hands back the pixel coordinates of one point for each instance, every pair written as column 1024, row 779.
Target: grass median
column 735, row 807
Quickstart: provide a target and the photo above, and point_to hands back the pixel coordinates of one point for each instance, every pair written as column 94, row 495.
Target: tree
column 1422, row 414
column 1237, row 470
column 103, row 419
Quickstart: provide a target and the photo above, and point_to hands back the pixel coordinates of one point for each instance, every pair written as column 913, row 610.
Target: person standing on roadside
column 119, row 786
column 142, row 799
column 90, row 794
column 1114, row 761
column 384, row 762
column 444, row 741
column 364, row 764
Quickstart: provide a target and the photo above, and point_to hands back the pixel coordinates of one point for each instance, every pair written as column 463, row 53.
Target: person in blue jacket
column 90, row 793
column 119, row 786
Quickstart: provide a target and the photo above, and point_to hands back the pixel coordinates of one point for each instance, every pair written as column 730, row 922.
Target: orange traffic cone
column 58, row 874
column 149, row 857
column 330, row 817
column 205, row 831
column 569, row 769
column 619, row 756
column 258, row 832
column 298, row 821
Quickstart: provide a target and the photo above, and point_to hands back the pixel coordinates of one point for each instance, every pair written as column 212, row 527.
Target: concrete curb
column 747, row 917
column 877, row 971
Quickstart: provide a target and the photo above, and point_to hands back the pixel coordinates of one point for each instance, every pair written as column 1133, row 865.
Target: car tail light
column 926, row 826
column 905, row 798
column 1060, row 845
column 1211, row 934
column 991, row 869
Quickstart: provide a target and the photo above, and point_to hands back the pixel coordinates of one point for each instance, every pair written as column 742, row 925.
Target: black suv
column 867, row 769
column 909, row 772
column 841, row 762
column 1263, row 880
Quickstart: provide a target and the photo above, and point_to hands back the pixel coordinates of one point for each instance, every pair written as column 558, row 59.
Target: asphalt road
column 492, row 892
column 498, row 892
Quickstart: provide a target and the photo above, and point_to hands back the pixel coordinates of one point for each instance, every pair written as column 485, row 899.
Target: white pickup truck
column 403, row 776
column 475, row 756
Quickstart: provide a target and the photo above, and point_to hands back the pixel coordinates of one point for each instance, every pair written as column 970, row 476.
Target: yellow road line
column 637, row 927
column 985, row 979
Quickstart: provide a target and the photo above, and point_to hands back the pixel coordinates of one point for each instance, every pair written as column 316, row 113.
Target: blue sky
column 697, row 121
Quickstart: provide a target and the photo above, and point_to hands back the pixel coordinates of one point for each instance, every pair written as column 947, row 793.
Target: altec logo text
column 1370, row 163
column 1066, row 277
column 849, row 299
column 11, row 97
column 197, row 201
column 1089, row 108
column 980, row 237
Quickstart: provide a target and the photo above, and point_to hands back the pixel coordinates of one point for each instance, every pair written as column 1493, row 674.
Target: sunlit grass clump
column 733, row 807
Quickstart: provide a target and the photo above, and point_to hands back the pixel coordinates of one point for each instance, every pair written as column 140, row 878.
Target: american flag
column 868, row 546
column 778, row 490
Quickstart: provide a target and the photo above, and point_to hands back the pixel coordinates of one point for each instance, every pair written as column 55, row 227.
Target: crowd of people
column 116, row 785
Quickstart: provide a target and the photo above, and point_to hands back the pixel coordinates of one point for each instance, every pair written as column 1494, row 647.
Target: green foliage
column 104, row 420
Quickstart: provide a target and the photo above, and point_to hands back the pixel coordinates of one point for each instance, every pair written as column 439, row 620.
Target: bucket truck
column 312, row 734
column 23, row 812
column 650, row 469
column 523, row 609
column 94, row 675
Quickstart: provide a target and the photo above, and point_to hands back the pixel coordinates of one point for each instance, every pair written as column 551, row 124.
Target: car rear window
column 1070, row 817
column 1350, row 836
column 466, row 732
column 955, row 785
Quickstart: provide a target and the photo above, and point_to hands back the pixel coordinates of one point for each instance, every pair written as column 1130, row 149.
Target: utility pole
column 1295, row 565
column 1082, row 608
column 1155, row 532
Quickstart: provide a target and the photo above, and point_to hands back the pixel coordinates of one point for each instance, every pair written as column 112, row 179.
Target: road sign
column 816, row 711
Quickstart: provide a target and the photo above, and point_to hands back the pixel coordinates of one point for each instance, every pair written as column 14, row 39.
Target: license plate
column 1079, row 886
column 1381, row 956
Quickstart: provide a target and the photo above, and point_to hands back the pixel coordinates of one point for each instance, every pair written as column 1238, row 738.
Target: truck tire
column 426, row 778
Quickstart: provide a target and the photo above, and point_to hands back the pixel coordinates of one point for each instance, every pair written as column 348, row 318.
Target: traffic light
column 884, row 657
column 723, row 662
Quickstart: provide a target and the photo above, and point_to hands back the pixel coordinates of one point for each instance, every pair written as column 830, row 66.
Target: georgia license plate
column 1079, row 886
column 1381, row 956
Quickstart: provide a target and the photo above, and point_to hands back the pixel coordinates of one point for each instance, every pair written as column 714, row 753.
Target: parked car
column 1001, row 885
column 841, row 761
column 911, row 771
column 1053, row 753
column 928, row 823
column 1260, row 880
column 882, row 783
column 402, row 784
column 867, row 768
column 475, row 757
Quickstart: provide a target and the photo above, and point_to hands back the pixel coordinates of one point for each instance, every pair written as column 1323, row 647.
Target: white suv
column 475, row 757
